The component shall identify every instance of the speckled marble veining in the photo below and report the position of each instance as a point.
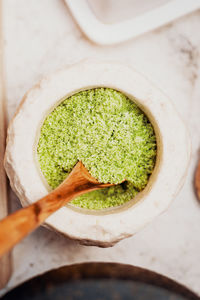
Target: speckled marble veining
(40, 37)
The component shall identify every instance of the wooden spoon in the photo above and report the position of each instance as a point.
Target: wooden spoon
(19, 224)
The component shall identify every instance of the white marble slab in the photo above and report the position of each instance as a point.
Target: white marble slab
(40, 37)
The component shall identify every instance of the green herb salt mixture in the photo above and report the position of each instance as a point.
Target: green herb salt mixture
(110, 135)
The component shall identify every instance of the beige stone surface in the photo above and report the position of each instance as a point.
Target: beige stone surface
(40, 37)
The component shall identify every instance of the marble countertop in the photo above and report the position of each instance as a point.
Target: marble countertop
(40, 37)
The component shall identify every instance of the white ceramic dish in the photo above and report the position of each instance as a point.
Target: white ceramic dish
(153, 17)
(102, 228)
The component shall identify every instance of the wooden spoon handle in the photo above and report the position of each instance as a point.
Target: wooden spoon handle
(19, 224)
(16, 226)
(22, 222)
